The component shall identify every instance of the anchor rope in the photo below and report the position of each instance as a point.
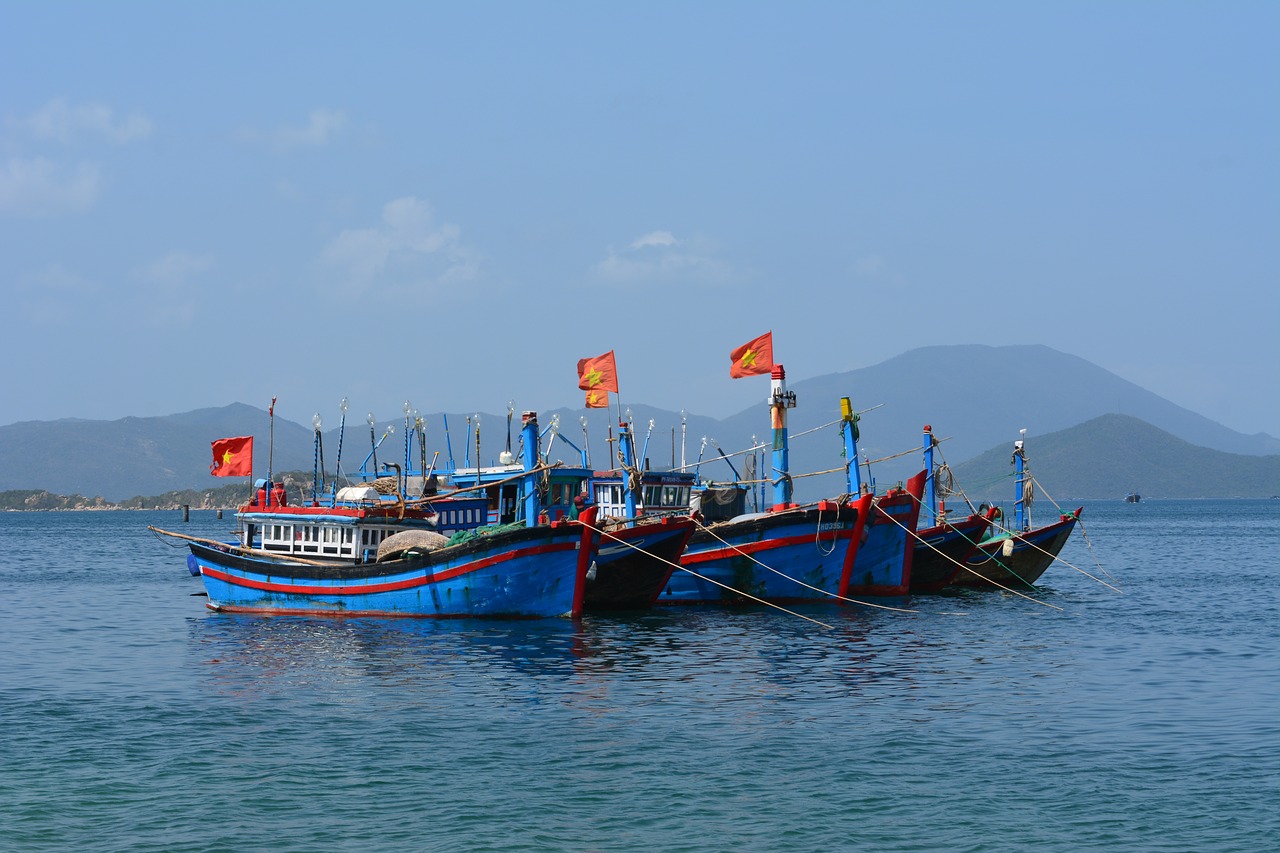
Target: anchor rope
(1088, 544)
(836, 596)
(633, 547)
(1028, 497)
(915, 536)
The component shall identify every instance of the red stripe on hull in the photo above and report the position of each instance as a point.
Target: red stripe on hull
(763, 545)
(390, 586)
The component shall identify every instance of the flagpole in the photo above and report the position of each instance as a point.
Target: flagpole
(271, 447)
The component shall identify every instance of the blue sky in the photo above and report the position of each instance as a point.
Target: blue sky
(452, 203)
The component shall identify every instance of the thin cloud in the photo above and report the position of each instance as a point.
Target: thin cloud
(869, 266)
(176, 268)
(173, 295)
(876, 268)
(39, 187)
(55, 297)
(655, 238)
(64, 122)
(322, 127)
(660, 257)
(408, 249)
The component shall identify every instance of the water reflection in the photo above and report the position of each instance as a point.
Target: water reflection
(683, 656)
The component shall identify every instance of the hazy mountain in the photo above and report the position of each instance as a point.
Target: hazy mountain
(976, 397)
(139, 456)
(1089, 460)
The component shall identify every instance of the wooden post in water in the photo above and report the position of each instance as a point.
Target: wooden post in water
(186, 512)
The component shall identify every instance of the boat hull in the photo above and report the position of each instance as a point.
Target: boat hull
(940, 552)
(529, 572)
(883, 563)
(804, 552)
(1033, 552)
(633, 564)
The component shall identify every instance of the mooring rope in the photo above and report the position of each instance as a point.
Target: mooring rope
(914, 536)
(796, 580)
(604, 532)
(1088, 544)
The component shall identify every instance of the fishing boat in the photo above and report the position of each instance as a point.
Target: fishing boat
(1132, 498)
(641, 522)
(789, 553)
(367, 555)
(941, 549)
(1016, 556)
(883, 565)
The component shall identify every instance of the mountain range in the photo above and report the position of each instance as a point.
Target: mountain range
(1090, 434)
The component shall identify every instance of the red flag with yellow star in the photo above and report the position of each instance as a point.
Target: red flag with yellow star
(597, 399)
(232, 457)
(598, 374)
(753, 358)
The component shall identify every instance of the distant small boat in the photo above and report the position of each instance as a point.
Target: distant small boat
(1132, 498)
(1019, 555)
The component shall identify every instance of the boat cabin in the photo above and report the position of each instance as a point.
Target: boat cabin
(354, 526)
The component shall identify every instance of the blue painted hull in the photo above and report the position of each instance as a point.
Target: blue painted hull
(883, 562)
(811, 546)
(530, 572)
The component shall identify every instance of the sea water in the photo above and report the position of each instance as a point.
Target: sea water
(1079, 717)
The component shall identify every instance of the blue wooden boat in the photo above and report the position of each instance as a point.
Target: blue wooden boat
(1016, 557)
(334, 560)
(790, 553)
(941, 549)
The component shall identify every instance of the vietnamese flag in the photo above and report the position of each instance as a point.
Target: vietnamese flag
(232, 457)
(597, 399)
(754, 358)
(598, 374)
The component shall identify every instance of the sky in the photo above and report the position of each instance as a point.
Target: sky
(451, 204)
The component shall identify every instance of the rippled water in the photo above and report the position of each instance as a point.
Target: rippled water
(132, 718)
